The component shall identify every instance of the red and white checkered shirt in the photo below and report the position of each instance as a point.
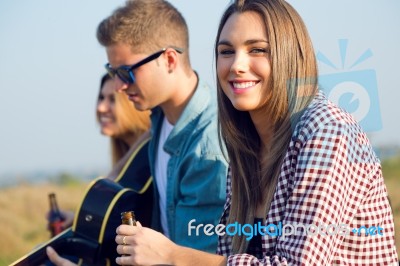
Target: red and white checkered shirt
(330, 179)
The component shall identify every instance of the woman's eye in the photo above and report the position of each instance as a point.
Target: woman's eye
(258, 51)
(226, 52)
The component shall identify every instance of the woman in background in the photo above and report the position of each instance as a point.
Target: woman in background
(119, 120)
(128, 130)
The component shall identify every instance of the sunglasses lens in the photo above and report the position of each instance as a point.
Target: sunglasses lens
(125, 75)
(110, 71)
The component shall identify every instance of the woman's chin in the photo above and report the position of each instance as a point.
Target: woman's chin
(107, 132)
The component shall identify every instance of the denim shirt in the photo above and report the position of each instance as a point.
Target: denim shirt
(196, 171)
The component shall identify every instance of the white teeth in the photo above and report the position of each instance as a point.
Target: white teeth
(243, 85)
(105, 119)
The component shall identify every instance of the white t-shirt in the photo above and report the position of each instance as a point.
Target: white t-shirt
(161, 164)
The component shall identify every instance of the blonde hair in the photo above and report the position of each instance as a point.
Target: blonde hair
(129, 121)
(146, 26)
(293, 83)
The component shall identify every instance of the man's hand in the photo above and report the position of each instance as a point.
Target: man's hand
(56, 259)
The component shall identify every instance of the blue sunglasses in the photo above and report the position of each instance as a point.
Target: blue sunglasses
(125, 73)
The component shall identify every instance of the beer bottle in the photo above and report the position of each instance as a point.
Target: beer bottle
(55, 217)
(128, 218)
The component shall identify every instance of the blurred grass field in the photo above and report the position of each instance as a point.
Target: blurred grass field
(23, 209)
(22, 215)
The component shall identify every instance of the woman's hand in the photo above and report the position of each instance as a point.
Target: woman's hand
(68, 218)
(143, 246)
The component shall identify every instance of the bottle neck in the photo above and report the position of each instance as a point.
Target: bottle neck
(128, 218)
(53, 203)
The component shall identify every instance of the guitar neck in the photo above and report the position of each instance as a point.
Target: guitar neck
(67, 243)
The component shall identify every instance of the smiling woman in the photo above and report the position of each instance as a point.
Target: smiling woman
(237, 56)
(121, 122)
(119, 119)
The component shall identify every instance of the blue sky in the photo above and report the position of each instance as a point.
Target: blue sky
(51, 64)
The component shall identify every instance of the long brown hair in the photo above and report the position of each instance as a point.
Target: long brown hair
(255, 169)
(129, 121)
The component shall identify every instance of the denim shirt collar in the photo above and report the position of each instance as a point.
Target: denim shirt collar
(187, 121)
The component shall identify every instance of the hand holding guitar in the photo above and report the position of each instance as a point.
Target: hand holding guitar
(57, 259)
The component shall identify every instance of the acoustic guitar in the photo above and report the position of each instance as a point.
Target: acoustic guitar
(91, 239)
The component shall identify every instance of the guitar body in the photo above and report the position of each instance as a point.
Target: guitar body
(91, 239)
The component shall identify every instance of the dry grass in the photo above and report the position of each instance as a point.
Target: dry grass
(22, 216)
(393, 186)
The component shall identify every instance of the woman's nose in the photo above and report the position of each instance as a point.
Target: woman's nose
(103, 106)
(240, 63)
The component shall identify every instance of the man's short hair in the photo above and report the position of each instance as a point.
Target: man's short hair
(144, 25)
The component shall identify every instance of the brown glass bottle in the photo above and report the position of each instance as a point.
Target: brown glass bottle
(55, 217)
(128, 218)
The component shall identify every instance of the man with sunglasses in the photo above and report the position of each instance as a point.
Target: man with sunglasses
(147, 46)
(146, 42)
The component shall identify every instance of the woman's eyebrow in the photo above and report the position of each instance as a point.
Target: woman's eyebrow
(253, 41)
(224, 42)
(247, 42)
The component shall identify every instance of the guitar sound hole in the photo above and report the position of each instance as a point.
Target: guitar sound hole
(88, 218)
